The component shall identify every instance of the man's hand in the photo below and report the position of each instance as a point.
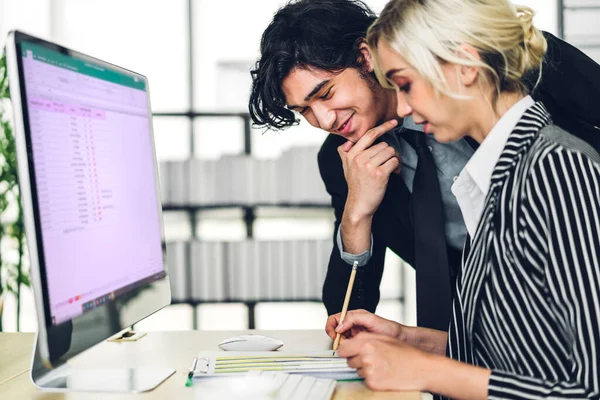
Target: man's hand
(367, 169)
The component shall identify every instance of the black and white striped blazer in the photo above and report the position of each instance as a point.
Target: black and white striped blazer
(528, 294)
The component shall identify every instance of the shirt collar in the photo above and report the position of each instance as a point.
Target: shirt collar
(481, 165)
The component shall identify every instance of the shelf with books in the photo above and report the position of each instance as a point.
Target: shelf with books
(247, 271)
(252, 185)
(577, 24)
(292, 178)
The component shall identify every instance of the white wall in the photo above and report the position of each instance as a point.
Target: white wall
(31, 16)
(546, 13)
(145, 36)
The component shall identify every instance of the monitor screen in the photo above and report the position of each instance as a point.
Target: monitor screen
(93, 161)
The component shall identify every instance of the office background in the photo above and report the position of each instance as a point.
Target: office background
(222, 209)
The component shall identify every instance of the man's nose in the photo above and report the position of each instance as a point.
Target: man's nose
(325, 116)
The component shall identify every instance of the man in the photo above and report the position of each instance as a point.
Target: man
(314, 61)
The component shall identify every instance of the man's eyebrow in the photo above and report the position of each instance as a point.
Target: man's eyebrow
(391, 72)
(315, 90)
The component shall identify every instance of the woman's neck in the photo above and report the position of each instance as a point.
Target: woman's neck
(485, 117)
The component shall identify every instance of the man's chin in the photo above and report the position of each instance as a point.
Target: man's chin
(352, 137)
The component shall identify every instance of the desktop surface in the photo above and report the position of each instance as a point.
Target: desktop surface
(16, 354)
(160, 349)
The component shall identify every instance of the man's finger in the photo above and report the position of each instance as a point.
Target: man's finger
(391, 165)
(374, 150)
(381, 157)
(372, 134)
(344, 148)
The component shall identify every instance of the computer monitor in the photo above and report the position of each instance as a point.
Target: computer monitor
(89, 190)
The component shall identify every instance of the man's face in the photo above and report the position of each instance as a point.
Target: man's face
(345, 103)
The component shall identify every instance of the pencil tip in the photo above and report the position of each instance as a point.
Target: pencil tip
(334, 352)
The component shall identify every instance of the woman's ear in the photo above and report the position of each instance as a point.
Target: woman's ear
(365, 56)
(469, 74)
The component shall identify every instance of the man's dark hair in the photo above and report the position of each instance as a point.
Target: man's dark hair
(322, 34)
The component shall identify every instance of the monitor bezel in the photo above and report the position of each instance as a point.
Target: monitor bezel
(29, 199)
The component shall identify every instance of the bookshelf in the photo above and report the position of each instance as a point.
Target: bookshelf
(577, 24)
(247, 271)
(186, 174)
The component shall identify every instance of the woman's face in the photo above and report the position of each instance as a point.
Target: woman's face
(441, 115)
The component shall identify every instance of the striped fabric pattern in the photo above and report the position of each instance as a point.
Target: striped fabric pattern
(528, 294)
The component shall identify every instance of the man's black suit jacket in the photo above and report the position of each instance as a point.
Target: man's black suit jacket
(570, 90)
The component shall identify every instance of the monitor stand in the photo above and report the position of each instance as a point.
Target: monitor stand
(68, 378)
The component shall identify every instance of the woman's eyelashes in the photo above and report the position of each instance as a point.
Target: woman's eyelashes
(400, 84)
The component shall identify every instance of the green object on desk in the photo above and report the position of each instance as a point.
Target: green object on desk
(191, 372)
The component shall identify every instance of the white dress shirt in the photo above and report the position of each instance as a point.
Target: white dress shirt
(472, 185)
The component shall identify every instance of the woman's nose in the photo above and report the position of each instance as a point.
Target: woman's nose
(403, 109)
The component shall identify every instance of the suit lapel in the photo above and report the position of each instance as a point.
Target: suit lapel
(487, 239)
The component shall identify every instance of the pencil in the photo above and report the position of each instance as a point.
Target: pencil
(336, 343)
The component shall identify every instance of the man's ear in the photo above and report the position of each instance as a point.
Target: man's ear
(469, 74)
(365, 56)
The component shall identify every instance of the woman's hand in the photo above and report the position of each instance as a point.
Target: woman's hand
(386, 363)
(363, 321)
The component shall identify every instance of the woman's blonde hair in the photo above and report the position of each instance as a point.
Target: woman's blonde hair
(429, 33)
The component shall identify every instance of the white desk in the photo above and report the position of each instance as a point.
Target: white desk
(164, 349)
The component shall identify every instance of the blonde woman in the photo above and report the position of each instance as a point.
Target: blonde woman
(525, 320)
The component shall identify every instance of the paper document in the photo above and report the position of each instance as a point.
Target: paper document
(219, 363)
